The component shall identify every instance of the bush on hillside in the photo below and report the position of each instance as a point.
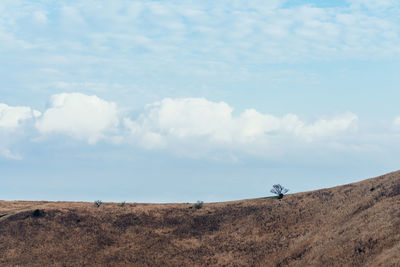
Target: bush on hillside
(279, 190)
(198, 205)
(97, 203)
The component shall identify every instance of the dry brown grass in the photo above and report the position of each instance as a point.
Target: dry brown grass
(351, 225)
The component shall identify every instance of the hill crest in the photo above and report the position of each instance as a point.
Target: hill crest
(354, 224)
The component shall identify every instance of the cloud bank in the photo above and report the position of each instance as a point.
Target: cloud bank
(186, 126)
(197, 122)
(189, 127)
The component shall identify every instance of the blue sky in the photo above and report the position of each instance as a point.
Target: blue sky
(165, 101)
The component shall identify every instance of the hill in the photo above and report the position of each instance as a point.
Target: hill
(355, 224)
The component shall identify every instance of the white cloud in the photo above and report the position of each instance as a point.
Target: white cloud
(196, 124)
(190, 127)
(187, 126)
(327, 127)
(80, 116)
(187, 117)
(13, 127)
(12, 117)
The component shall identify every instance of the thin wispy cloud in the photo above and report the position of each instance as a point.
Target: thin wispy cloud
(145, 46)
(256, 31)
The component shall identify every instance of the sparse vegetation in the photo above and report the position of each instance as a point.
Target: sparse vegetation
(37, 213)
(279, 190)
(98, 203)
(122, 204)
(198, 205)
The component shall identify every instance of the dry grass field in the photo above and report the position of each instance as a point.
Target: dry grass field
(351, 225)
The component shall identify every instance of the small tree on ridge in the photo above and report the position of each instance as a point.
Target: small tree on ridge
(279, 190)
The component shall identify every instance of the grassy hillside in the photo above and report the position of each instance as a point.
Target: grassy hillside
(355, 224)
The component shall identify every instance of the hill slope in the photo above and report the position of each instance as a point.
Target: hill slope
(355, 224)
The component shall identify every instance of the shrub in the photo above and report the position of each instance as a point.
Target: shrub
(279, 190)
(97, 203)
(122, 204)
(38, 213)
(198, 205)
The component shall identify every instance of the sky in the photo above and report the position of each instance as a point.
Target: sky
(179, 101)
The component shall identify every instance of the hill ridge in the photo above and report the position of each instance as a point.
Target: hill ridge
(348, 225)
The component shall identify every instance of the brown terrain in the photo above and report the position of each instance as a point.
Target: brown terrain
(351, 225)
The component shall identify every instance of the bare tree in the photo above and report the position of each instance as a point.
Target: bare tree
(279, 190)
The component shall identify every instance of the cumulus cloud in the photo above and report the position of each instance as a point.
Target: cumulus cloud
(187, 126)
(12, 117)
(12, 127)
(181, 119)
(197, 123)
(80, 116)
